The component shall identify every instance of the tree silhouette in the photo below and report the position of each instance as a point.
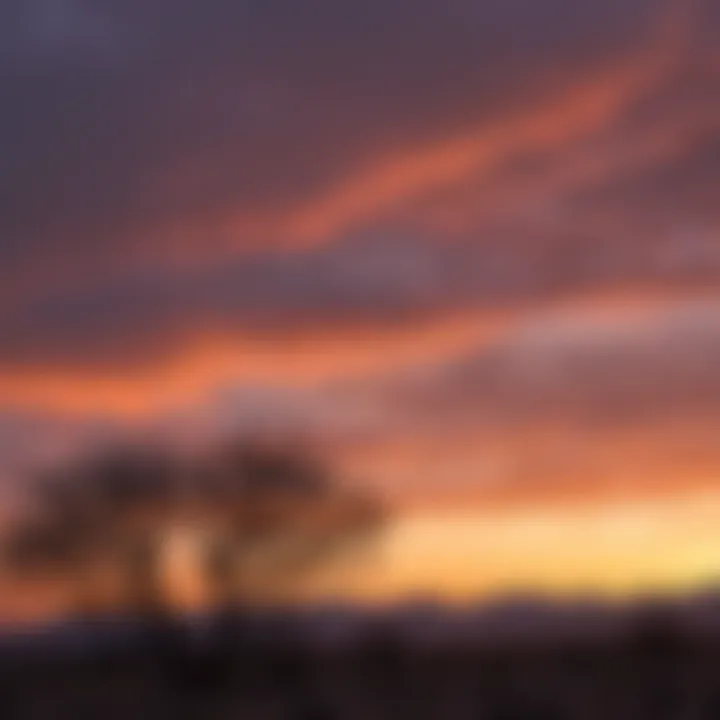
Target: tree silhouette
(102, 516)
(263, 516)
(278, 514)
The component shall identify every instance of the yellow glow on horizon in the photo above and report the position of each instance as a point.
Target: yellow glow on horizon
(611, 550)
(607, 549)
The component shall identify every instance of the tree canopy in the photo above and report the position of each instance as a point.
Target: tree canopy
(262, 516)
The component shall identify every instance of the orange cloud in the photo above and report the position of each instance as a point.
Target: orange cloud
(200, 364)
(592, 107)
(563, 174)
(588, 106)
(537, 465)
(207, 363)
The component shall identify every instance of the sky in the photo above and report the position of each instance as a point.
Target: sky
(467, 249)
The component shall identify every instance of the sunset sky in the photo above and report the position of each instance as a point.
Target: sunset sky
(469, 249)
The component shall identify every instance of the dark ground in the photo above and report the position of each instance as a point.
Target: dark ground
(647, 668)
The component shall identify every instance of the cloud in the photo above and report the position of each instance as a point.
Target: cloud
(579, 398)
(571, 403)
(236, 125)
(396, 224)
(596, 366)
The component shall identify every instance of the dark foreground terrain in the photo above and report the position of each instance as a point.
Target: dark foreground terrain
(655, 664)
